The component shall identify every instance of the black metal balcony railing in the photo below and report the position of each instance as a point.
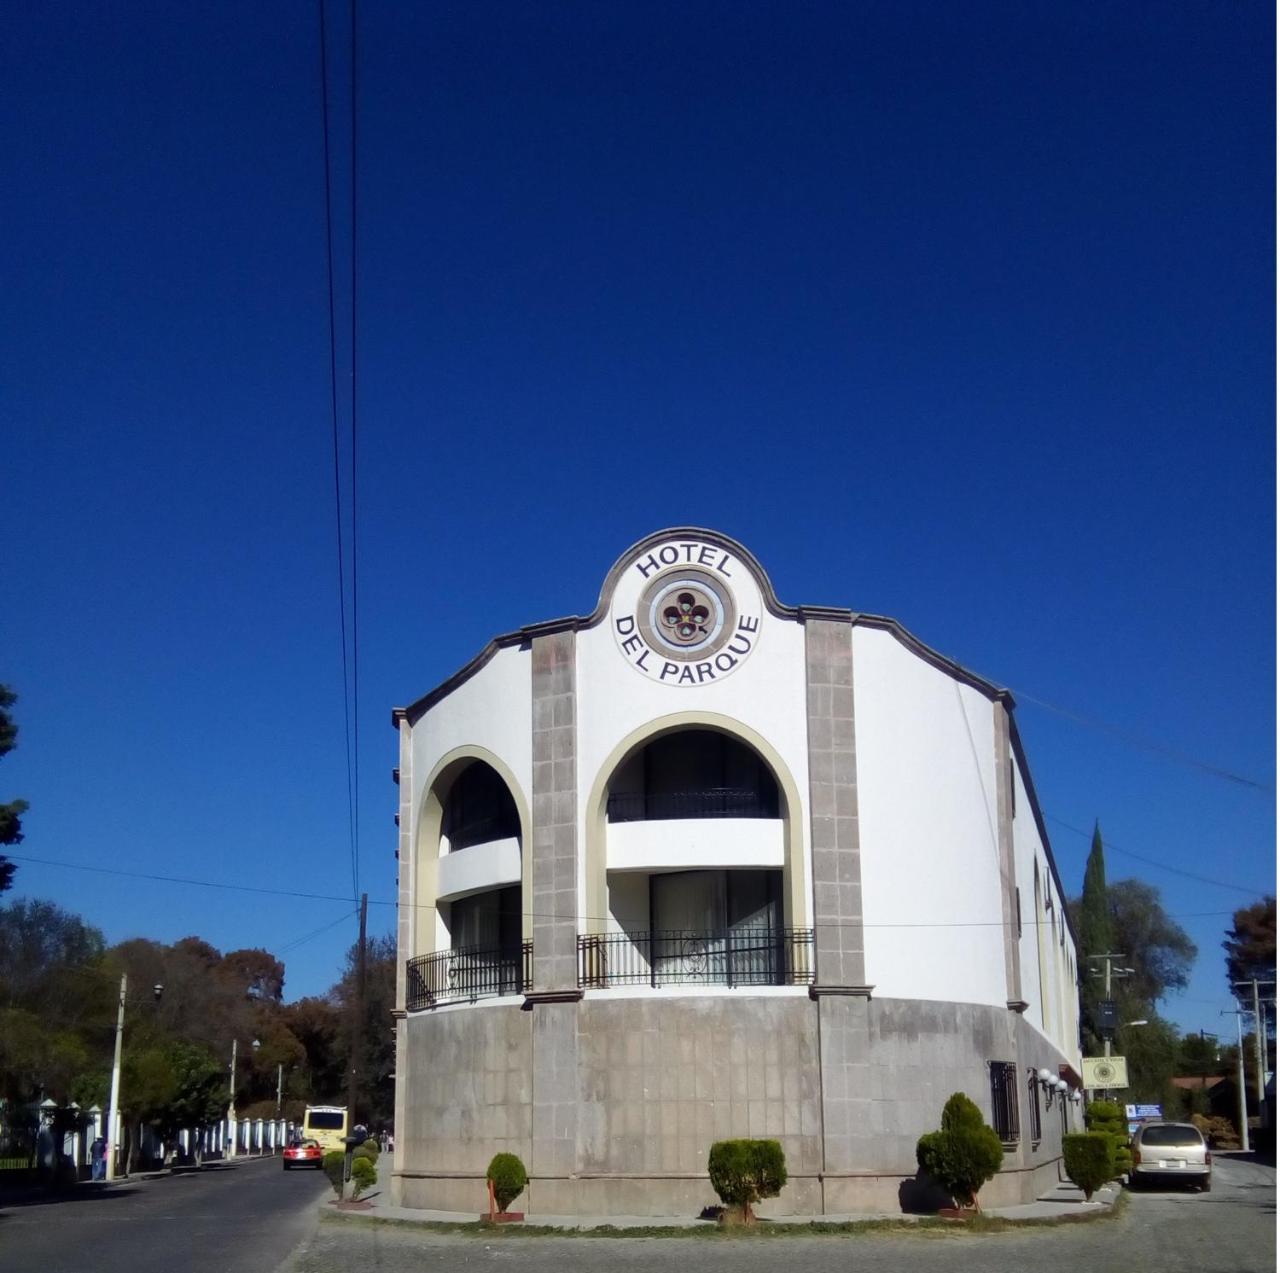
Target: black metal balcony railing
(471, 972)
(709, 802)
(747, 957)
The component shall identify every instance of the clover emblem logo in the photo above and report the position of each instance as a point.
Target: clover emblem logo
(684, 619)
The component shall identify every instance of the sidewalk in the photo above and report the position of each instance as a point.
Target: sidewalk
(1063, 1201)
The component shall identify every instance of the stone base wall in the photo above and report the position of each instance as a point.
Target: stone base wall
(629, 1094)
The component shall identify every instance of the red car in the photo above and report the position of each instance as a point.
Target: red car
(303, 1153)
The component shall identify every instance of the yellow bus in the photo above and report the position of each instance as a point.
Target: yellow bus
(325, 1124)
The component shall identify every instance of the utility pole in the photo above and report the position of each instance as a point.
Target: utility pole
(1107, 961)
(279, 1088)
(1244, 1106)
(231, 1105)
(112, 1116)
(1259, 1034)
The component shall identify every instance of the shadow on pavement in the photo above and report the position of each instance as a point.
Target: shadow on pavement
(57, 1197)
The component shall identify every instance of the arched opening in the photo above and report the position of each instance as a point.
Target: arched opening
(690, 864)
(470, 918)
(692, 774)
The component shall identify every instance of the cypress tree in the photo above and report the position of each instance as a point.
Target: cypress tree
(1095, 937)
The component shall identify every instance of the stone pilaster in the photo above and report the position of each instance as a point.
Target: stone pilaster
(555, 815)
(833, 805)
(1008, 872)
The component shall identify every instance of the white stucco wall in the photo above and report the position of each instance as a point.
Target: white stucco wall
(479, 867)
(687, 844)
(1027, 850)
(766, 693)
(927, 826)
(493, 710)
(1048, 956)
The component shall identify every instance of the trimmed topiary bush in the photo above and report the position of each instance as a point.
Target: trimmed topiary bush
(743, 1172)
(964, 1154)
(1088, 1158)
(508, 1177)
(1109, 1118)
(364, 1175)
(369, 1149)
(334, 1165)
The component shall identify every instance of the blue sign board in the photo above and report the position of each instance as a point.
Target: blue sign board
(1144, 1111)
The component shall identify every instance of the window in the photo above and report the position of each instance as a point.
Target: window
(1033, 1104)
(1004, 1101)
(479, 809)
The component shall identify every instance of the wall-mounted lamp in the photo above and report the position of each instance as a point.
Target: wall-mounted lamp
(1062, 1085)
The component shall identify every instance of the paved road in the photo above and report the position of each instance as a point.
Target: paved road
(242, 1218)
(1231, 1230)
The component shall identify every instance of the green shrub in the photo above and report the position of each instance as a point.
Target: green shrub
(333, 1164)
(364, 1175)
(1109, 1118)
(743, 1172)
(509, 1178)
(964, 1154)
(1088, 1158)
(369, 1149)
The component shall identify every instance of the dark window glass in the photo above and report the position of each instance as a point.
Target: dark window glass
(1004, 1100)
(325, 1120)
(694, 773)
(479, 808)
(1171, 1136)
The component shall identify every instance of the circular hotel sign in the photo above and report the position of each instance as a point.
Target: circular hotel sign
(686, 612)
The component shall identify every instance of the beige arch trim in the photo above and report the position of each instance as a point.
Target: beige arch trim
(426, 852)
(793, 841)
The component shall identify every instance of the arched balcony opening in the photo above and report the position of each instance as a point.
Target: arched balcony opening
(692, 774)
(471, 864)
(695, 857)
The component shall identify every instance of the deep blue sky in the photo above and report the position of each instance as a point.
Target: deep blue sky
(958, 313)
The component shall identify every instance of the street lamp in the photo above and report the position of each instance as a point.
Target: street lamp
(231, 1107)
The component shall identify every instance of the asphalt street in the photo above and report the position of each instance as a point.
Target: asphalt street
(244, 1217)
(1229, 1230)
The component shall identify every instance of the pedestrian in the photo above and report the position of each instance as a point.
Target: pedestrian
(98, 1158)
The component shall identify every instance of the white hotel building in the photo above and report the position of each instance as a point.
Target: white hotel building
(702, 865)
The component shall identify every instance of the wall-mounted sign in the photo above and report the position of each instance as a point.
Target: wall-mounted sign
(686, 613)
(1105, 1071)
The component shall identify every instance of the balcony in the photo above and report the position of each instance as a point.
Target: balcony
(467, 974)
(743, 957)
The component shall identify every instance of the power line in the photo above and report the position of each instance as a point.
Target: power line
(428, 906)
(311, 936)
(1160, 866)
(337, 463)
(1148, 744)
(355, 521)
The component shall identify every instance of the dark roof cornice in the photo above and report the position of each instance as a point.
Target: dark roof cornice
(797, 614)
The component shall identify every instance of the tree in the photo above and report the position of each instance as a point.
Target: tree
(964, 1154)
(11, 813)
(1155, 946)
(375, 1037)
(55, 1001)
(1251, 945)
(315, 1023)
(1092, 919)
(257, 974)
